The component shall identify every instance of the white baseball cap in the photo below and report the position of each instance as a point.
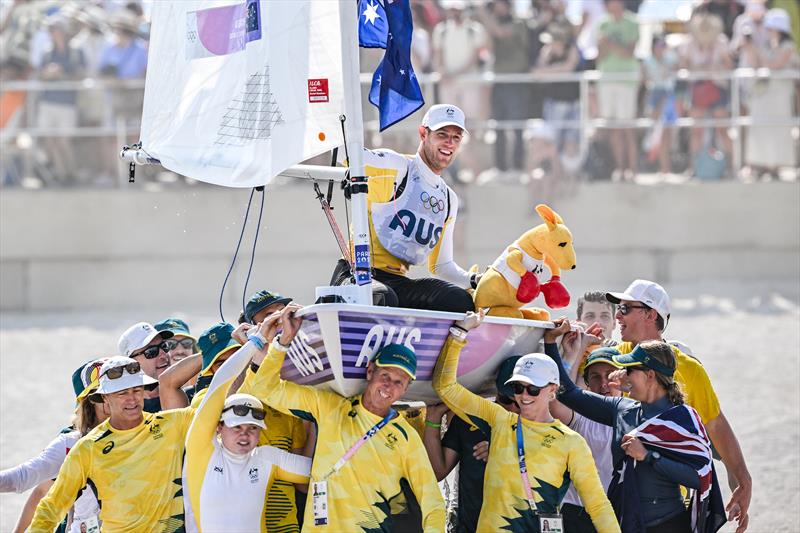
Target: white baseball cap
(231, 419)
(138, 336)
(536, 369)
(127, 380)
(649, 293)
(778, 19)
(440, 115)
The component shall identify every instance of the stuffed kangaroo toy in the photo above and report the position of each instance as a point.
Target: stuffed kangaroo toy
(512, 279)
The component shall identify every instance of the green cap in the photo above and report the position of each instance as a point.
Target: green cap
(175, 325)
(504, 373)
(262, 300)
(602, 355)
(214, 341)
(640, 357)
(397, 356)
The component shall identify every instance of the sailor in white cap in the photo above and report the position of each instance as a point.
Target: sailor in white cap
(412, 215)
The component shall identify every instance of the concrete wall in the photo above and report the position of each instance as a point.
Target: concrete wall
(131, 248)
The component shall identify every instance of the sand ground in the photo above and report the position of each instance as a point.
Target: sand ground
(747, 336)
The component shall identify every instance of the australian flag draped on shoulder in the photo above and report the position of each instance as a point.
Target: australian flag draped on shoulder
(395, 89)
(677, 434)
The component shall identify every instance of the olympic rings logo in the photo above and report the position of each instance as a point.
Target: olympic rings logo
(431, 202)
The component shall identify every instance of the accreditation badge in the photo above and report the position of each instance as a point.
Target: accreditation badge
(92, 525)
(551, 523)
(319, 497)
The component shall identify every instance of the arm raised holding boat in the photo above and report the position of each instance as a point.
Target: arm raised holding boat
(366, 455)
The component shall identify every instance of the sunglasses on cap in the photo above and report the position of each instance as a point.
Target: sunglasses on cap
(518, 388)
(242, 410)
(171, 344)
(151, 352)
(624, 309)
(505, 400)
(118, 371)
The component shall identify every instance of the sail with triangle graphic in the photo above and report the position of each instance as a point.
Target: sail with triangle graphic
(237, 92)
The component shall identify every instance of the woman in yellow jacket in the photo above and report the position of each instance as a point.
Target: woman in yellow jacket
(532, 456)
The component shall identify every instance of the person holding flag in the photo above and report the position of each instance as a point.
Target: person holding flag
(659, 443)
(412, 211)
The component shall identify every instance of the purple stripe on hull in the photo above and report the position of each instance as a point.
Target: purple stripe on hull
(362, 336)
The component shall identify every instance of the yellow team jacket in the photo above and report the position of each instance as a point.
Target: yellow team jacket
(389, 478)
(135, 474)
(555, 455)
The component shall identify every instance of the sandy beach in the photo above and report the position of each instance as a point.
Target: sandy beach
(746, 336)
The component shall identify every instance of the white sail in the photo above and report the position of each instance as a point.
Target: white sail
(238, 91)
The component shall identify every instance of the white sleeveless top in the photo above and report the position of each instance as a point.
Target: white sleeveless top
(410, 226)
(531, 265)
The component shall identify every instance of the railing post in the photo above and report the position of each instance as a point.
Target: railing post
(583, 106)
(736, 111)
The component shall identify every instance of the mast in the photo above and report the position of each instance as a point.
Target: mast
(354, 133)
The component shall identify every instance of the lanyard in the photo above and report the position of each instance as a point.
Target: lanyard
(523, 469)
(363, 440)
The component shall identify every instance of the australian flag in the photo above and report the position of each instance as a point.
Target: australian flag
(395, 89)
(373, 29)
(677, 434)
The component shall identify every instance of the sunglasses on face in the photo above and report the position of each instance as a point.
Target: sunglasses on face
(505, 400)
(631, 369)
(171, 344)
(151, 352)
(242, 410)
(518, 388)
(624, 309)
(118, 371)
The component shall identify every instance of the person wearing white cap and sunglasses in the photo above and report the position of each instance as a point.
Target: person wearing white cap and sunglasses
(412, 214)
(643, 313)
(144, 343)
(132, 461)
(227, 475)
(533, 457)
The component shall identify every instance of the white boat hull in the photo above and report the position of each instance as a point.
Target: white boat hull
(336, 342)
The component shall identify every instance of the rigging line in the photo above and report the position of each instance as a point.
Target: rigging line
(255, 242)
(235, 253)
(342, 119)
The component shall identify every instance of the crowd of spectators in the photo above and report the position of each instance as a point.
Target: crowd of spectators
(639, 61)
(60, 43)
(528, 127)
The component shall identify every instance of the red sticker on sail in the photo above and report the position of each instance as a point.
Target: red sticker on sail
(318, 90)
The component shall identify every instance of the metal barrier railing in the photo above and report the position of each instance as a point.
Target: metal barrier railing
(122, 129)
